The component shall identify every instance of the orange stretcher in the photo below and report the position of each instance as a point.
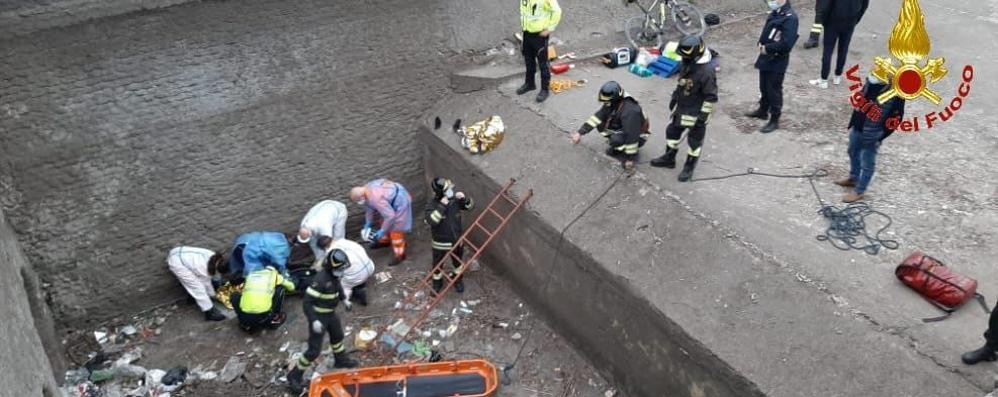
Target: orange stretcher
(465, 378)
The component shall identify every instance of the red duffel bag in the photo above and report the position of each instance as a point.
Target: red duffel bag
(938, 284)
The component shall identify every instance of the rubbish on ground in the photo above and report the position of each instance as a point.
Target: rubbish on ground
(101, 337)
(154, 378)
(363, 338)
(570, 55)
(285, 346)
(466, 310)
(502, 325)
(463, 304)
(560, 85)
(610, 393)
(383, 276)
(474, 302)
(435, 356)
(421, 349)
(77, 376)
(101, 375)
(516, 336)
(129, 330)
(442, 333)
(82, 390)
(399, 327)
(129, 357)
(233, 369)
(482, 136)
(404, 348)
(452, 329)
(435, 343)
(175, 376)
(128, 371)
(560, 68)
(427, 334)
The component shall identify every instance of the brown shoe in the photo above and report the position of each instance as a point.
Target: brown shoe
(846, 182)
(852, 197)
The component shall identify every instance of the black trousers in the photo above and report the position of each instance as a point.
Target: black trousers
(991, 335)
(535, 55)
(695, 139)
(771, 87)
(251, 322)
(330, 324)
(835, 34)
(439, 255)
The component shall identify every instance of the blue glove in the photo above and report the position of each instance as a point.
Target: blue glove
(378, 235)
(367, 225)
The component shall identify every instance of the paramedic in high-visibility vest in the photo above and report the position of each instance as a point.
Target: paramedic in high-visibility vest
(259, 304)
(538, 18)
(390, 202)
(327, 218)
(199, 270)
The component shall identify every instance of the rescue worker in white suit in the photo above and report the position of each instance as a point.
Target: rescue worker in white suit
(327, 218)
(199, 270)
(354, 277)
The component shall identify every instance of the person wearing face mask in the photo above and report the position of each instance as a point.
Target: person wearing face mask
(443, 214)
(692, 103)
(775, 43)
(319, 304)
(865, 136)
(621, 121)
(392, 202)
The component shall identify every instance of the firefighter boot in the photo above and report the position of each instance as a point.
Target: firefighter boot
(360, 296)
(213, 315)
(438, 284)
(668, 160)
(687, 173)
(759, 113)
(772, 125)
(985, 353)
(295, 381)
(344, 361)
(812, 41)
(458, 284)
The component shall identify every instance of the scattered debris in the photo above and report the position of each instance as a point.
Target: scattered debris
(383, 277)
(233, 369)
(129, 330)
(175, 376)
(516, 336)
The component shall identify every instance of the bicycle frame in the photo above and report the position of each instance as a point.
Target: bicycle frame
(662, 5)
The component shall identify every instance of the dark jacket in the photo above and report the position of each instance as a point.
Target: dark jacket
(322, 294)
(845, 13)
(445, 219)
(778, 36)
(626, 117)
(819, 10)
(893, 108)
(696, 91)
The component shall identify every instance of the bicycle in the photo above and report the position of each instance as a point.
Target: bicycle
(650, 28)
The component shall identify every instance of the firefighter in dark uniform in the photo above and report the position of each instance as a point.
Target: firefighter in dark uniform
(692, 104)
(443, 214)
(621, 121)
(321, 298)
(775, 43)
(818, 27)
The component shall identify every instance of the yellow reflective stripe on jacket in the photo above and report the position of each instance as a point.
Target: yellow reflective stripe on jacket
(630, 148)
(694, 153)
(258, 291)
(436, 216)
(322, 310)
(817, 28)
(539, 15)
(687, 121)
(318, 295)
(708, 107)
(442, 246)
(593, 121)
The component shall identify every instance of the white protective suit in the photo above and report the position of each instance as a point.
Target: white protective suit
(361, 266)
(327, 218)
(190, 265)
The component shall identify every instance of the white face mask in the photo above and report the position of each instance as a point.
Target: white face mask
(449, 193)
(773, 5)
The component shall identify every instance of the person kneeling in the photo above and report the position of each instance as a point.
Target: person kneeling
(259, 304)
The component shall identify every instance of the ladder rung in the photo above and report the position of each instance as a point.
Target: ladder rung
(483, 229)
(501, 218)
(468, 243)
(508, 199)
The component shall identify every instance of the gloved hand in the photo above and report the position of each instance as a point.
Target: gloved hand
(367, 224)
(378, 235)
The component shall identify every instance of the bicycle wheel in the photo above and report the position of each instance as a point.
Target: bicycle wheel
(643, 31)
(688, 19)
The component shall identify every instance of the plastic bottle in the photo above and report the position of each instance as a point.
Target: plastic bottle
(640, 70)
(561, 68)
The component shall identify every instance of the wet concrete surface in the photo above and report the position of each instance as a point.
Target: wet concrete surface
(500, 328)
(790, 313)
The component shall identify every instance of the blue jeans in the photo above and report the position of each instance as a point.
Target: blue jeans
(863, 147)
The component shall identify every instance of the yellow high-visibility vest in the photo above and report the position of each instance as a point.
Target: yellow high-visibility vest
(539, 15)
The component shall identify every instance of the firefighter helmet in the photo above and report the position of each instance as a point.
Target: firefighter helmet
(691, 48)
(610, 92)
(441, 185)
(336, 260)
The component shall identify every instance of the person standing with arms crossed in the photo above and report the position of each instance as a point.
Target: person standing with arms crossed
(538, 18)
(775, 43)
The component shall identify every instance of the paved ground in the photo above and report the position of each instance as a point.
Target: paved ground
(547, 366)
(936, 185)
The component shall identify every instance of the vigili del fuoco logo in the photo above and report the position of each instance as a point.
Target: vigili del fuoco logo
(909, 44)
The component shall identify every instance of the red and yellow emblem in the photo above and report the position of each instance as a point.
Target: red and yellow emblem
(909, 43)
